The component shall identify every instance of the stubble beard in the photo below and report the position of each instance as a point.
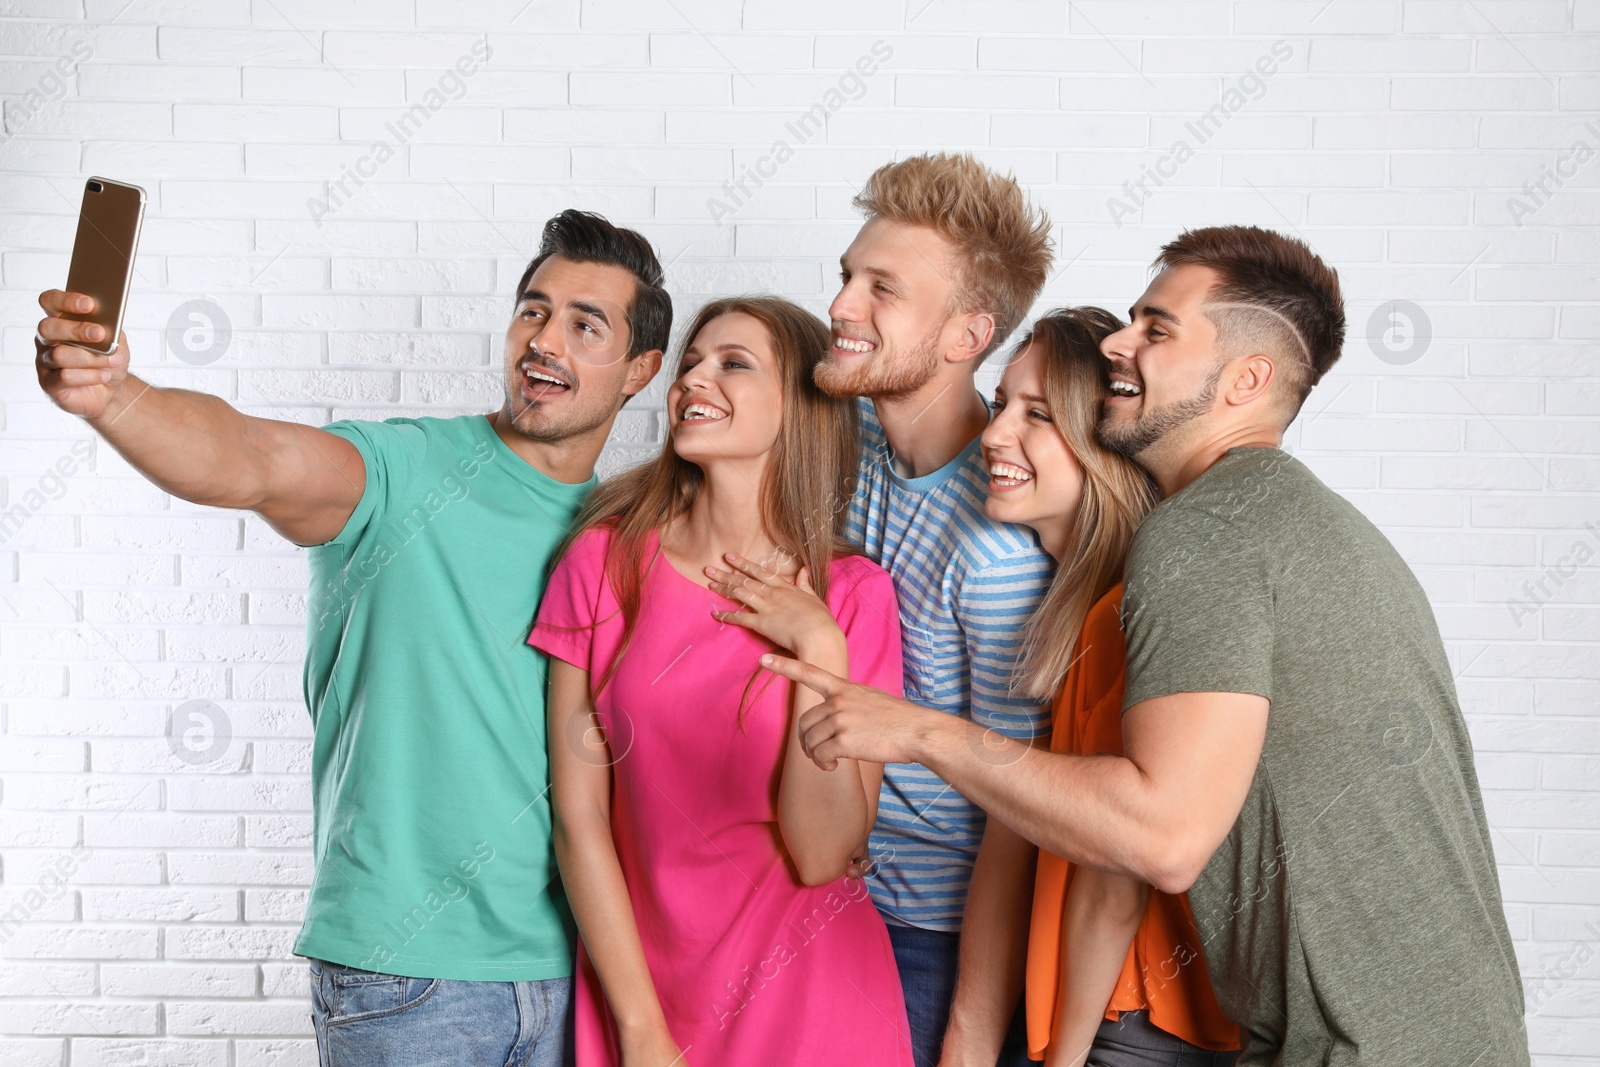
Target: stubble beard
(1136, 439)
(891, 378)
(528, 419)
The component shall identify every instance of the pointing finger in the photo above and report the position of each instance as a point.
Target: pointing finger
(825, 684)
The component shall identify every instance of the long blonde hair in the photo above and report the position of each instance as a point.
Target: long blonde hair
(804, 492)
(1117, 493)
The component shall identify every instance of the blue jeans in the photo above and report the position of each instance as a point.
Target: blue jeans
(366, 1019)
(927, 960)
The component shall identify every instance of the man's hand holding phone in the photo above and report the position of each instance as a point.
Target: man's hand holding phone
(303, 481)
(80, 382)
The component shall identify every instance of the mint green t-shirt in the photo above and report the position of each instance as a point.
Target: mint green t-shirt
(429, 771)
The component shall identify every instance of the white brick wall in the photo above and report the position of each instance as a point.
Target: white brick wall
(163, 895)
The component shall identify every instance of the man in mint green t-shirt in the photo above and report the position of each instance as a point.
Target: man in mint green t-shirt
(436, 925)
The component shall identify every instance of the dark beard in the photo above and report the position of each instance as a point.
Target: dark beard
(523, 417)
(1131, 442)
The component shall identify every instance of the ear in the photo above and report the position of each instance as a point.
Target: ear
(641, 369)
(977, 330)
(1250, 379)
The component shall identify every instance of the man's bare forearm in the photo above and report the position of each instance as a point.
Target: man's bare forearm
(1088, 809)
(302, 480)
(1157, 813)
(193, 445)
(305, 482)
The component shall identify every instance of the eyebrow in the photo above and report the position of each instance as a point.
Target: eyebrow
(1156, 313)
(726, 346)
(999, 390)
(589, 309)
(579, 305)
(876, 271)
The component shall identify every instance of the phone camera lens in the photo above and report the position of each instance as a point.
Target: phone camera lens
(95, 187)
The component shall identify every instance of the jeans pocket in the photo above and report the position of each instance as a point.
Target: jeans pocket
(350, 995)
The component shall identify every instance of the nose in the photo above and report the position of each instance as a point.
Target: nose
(547, 340)
(1119, 345)
(1001, 430)
(846, 307)
(697, 376)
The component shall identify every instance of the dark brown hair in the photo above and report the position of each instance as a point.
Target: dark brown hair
(1272, 292)
(804, 491)
(585, 237)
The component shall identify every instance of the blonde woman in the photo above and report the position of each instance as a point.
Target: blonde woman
(1114, 975)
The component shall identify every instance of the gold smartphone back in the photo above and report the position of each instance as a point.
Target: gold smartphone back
(102, 255)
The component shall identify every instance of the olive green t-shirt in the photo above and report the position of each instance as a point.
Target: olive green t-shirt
(429, 771)
(1353, 914)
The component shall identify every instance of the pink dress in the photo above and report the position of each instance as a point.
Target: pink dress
(751, 966)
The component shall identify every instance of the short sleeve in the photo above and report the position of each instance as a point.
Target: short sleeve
(869, 615)
(1197, 609)
(992, 606)
(565, 627)
(392, 453)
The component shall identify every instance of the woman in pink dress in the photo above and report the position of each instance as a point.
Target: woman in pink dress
(703, 854)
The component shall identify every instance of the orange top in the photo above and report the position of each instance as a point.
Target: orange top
(1164, 972)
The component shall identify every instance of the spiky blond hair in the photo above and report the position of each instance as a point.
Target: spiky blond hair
(1002, 242)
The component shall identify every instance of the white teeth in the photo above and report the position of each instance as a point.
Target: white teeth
(852, 346)
(540, 376)
(1121, 388)
(1009, 472)
(702, 411)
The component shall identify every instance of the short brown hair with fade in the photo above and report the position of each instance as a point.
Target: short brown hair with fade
(1002, 242)
(1274, 295)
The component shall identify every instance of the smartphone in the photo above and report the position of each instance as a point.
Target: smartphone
(102, 255)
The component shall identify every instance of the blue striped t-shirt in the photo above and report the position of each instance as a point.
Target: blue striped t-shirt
(966, 585)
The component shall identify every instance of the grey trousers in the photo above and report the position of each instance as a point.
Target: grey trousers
(1134, 1041)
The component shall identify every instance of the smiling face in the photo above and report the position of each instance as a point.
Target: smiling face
(892, 313)
(1034, 478)
(1164, 367)
(726, 404)
(566, 350)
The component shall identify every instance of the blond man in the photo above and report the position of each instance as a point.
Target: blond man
(947, 264)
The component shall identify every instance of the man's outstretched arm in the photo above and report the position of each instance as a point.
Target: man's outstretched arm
(303, 481)
(1157, 813)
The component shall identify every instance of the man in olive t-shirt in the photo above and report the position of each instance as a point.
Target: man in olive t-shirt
(1353, 913)
(1295, 755)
